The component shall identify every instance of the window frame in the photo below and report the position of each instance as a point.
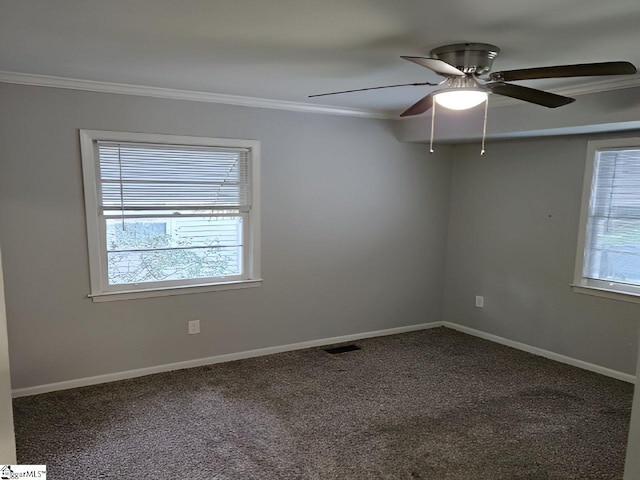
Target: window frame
(600, 288)
(101, 291)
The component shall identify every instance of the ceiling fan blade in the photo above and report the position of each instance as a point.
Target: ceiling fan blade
(560, 71)
(375, 88)
(438, 66)
(531, 95)
(420, 106)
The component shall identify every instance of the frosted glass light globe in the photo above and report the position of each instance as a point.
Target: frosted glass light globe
(460, 99)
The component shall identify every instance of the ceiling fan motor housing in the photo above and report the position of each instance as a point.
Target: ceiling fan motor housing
(473, 58)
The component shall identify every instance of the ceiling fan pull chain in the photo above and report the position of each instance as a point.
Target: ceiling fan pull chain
(484, 128)
(433, 121)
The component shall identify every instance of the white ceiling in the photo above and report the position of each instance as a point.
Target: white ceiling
(288, 49)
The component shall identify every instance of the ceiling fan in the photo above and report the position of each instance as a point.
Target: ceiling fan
(463, 64)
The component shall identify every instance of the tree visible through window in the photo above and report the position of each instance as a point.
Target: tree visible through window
(142, 251)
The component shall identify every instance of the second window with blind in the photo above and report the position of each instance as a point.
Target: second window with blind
(170, 214)
(608, 258)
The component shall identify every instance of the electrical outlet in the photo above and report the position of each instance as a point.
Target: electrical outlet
(194, 327)
(479, 301)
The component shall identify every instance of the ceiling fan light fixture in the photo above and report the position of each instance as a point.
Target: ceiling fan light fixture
(460, 99)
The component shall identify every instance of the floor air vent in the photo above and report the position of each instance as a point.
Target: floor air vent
(343, 349)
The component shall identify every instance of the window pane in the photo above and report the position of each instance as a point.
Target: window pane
(157, 249)
(612, 249)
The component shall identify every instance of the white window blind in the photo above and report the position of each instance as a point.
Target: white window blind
(612, 243)
(148, 177)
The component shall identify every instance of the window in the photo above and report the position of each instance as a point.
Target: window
(169, 214)
(608, 259)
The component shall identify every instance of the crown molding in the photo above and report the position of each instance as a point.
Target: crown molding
(586, 88)
(596, 86)
(176, 94)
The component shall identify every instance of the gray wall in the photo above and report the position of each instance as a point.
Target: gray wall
(353, 235)
(512, 238)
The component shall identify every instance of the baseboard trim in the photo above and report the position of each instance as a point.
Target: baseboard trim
(113, 377)
(140, 372)
(543, 353)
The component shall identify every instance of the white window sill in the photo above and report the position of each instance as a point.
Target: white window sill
(606, 293)
(164, 292)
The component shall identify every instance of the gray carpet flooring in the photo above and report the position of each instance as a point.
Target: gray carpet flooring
(434, 404)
